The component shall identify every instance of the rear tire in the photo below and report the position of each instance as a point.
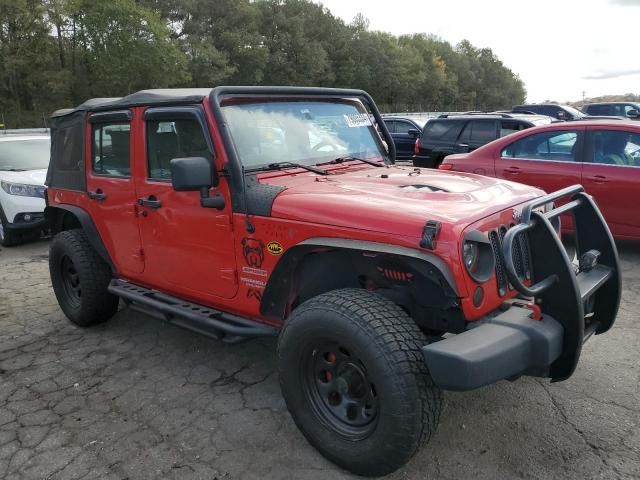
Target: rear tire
(355, 381)
(80, 278)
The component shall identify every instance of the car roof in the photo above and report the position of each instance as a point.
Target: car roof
(611, 103)
(539, 105)
(599, 123)
(527, 117)
(417, 120)
(13, 138)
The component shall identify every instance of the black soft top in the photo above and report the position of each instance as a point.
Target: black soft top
(160, 96)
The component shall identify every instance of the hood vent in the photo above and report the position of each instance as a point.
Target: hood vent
(421, 187)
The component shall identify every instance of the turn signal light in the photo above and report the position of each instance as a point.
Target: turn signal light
(445, 166)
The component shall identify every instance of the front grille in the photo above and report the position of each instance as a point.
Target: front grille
(501, 274)
(521, 258)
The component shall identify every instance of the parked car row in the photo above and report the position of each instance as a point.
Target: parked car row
(462, 133)
(602, 155)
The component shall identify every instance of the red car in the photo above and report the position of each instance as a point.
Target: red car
(602, 155)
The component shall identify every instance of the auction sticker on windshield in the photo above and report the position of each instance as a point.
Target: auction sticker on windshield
(357, 120)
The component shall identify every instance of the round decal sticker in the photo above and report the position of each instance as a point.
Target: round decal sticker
(274, 248)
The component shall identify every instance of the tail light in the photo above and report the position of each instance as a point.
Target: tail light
(416, 146)
(445, 166)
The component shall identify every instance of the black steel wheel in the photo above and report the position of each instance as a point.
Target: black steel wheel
(355, 382)
(70, 281)
(340, 390)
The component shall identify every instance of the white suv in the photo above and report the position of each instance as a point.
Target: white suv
(23, 167)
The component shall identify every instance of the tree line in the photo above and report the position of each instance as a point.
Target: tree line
(58, 53)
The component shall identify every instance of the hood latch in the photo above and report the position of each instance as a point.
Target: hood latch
(429, 234)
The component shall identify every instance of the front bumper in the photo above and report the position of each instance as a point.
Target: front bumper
(39, 223)
(577, 301)
(505, 346)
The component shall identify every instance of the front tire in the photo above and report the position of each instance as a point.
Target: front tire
(7, 237)
(354, 379)
(80, 278)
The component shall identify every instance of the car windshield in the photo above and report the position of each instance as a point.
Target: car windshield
(27, 154)
(573, 111)
(302, 132)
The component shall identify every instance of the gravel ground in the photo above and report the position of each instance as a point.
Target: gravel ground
(136, 398)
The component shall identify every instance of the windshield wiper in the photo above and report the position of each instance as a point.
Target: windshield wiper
(347, 158)
(280, 165)
(13, 169)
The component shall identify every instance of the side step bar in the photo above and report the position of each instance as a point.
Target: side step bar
(192, 316)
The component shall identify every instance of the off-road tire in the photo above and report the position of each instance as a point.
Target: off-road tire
(91, 303)
(387, 342)
(7, 238)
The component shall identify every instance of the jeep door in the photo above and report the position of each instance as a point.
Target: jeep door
(189, 250)
(111, 188)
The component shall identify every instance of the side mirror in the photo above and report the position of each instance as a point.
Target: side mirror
(196, 173)
(562, 115)
(414, 132)
(633, 113)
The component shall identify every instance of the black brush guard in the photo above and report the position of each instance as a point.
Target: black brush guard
(583, 302)
(575, 303)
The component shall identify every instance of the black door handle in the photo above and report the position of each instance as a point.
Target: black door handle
(151, 201)
(98, 195)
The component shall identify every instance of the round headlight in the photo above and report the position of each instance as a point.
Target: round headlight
(470, 255)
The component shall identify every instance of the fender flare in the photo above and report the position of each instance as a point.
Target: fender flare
(274, 297)
(87, 225)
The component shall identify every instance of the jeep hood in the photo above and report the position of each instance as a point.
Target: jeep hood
(394, 199)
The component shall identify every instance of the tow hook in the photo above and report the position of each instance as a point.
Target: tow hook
(588, 260)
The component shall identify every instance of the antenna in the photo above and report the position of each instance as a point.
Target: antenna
(247, 219)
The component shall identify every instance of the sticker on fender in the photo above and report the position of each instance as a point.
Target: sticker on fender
(274, 248)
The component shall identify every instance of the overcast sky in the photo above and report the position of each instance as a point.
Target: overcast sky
(560, 48)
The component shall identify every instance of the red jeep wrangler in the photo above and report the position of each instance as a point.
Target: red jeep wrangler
(245, 211)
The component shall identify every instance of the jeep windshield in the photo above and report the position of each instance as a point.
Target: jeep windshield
(302, 132)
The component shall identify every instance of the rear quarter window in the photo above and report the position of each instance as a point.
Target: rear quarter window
(442, 131)
(601, 110)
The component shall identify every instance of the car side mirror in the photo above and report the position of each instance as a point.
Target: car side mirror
(414, 132)
(191, 174)
(633, 113)
(562, 115)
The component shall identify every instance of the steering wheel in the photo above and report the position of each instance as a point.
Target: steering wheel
(318, 146)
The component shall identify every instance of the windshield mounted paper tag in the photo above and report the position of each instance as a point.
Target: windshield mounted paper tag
(358, 120)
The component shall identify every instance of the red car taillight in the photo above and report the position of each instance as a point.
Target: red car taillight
(445, 166)
(416, 146)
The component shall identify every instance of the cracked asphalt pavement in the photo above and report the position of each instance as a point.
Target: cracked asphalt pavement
(136, 398)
